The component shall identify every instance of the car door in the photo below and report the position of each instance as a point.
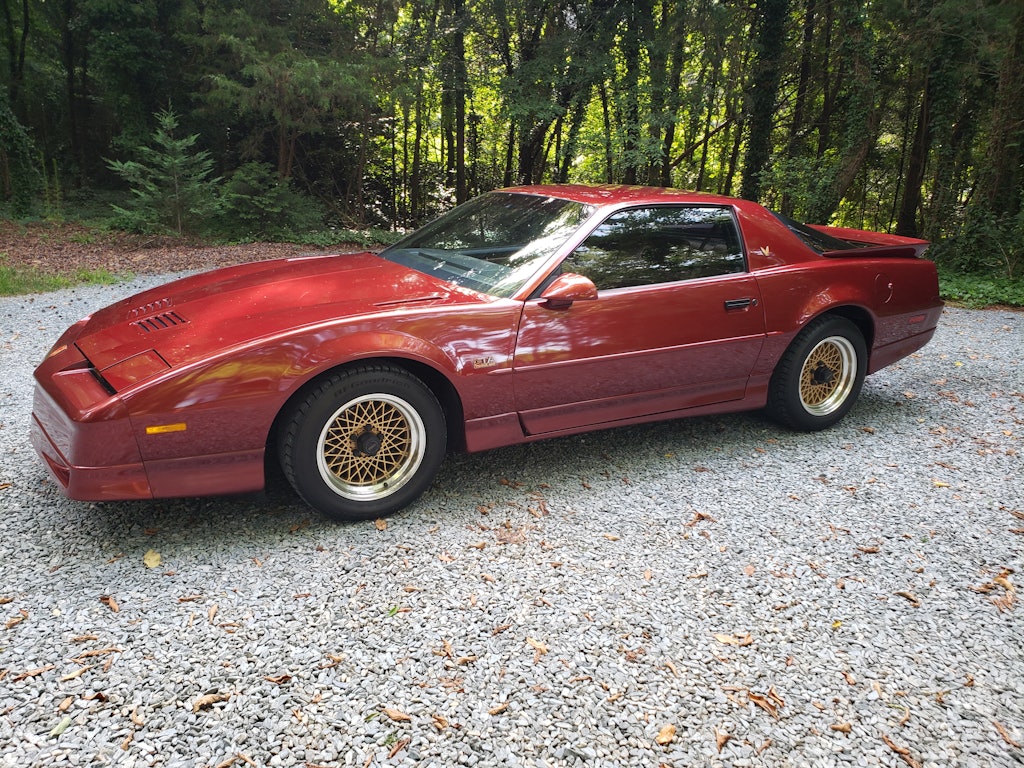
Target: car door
(677, 323)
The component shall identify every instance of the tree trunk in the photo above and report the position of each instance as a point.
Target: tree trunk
(764, 91)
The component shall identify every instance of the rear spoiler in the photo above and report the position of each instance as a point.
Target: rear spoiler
(879, 252)
(873, 244)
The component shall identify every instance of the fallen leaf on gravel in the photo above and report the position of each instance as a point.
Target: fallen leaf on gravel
(765, 703)
(31, 673)
(909, 596)
(110, 602)
(721, 739)
(211, 612)
(397, 715)
(6, 600)
(498, 709)
(151, 559)
(537, 645)
(611, 537)
(5, 486)
(665, 735)
(17, 619)
(97, 652)
(841, 727)
(398, 747)
(207, 701)
(380, 524)
(850, 679)
(444, 557)
(903, 752)
(65, 705)
(698, 517)
(278, 680)
(939, 484)
(61, 726)
(136, 720)
(1005, 734)
(77, 673)
(738, 640)
(440, 722)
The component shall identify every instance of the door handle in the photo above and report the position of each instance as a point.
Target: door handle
(731, 304)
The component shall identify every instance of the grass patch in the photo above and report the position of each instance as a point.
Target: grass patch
(16, 282)
(977, 291)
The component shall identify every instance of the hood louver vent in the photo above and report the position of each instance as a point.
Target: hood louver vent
(160, 322)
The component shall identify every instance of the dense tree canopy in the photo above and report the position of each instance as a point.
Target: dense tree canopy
(900, 115)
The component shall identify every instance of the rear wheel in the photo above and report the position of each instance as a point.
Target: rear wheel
(820, 375)
(364, 443)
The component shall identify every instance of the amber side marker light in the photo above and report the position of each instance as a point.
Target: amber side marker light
(163, 429)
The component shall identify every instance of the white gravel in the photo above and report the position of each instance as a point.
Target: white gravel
(836, 599)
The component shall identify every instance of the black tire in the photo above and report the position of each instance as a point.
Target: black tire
(819, 376)
(363, 443)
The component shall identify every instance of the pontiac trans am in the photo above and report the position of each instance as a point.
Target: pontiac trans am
(524, 314)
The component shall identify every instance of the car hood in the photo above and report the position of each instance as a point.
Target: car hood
(196, 317)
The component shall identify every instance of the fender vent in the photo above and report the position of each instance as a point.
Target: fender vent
(160, 322)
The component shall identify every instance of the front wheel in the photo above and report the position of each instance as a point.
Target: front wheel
(820, 375)
(364, 443)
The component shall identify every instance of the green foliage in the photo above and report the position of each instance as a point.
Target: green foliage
(986, 244)
(19, 177)
(172, 192)
(255, 203)
(16, 282)
(980, 290)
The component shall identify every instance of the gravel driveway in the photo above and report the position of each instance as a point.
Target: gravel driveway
(704, 592)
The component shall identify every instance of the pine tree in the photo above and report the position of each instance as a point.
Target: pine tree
(172, 191)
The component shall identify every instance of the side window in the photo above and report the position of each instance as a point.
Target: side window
(664, 244)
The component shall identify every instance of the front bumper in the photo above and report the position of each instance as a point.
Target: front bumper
(83, 433)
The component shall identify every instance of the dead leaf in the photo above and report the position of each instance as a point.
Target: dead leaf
(207, 701)
(440, 722)
(537, 645)
(850, 679)
(77, 673)
(738, 640)
(211, 612)
(151, 559)
(380, 524)
(611, 537)
(31, 673)
(909, 596)
(903, 752)
(841, 727)
(444, 557)
(65, 705)
(397, 715)
(721, 739)
(110, 602)
(1005, 734)
(134, 717)
(764, 703)
(749, 570)
(279, 679)
(17, 619)
(498, 709)
(399, 746)
(665, 735)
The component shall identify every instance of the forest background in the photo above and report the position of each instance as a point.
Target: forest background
(294, 119)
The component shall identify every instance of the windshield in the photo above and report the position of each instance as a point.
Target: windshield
(817, 241)
(493, 244)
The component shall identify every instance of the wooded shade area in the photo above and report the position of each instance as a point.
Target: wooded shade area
(898, 115)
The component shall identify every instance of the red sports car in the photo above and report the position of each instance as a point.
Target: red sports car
(524, 314)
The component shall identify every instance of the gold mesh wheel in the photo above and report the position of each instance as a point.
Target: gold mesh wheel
(828, 375)
(371, 446)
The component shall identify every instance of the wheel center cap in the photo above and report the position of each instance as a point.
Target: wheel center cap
(368, 444)
(823, 374)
